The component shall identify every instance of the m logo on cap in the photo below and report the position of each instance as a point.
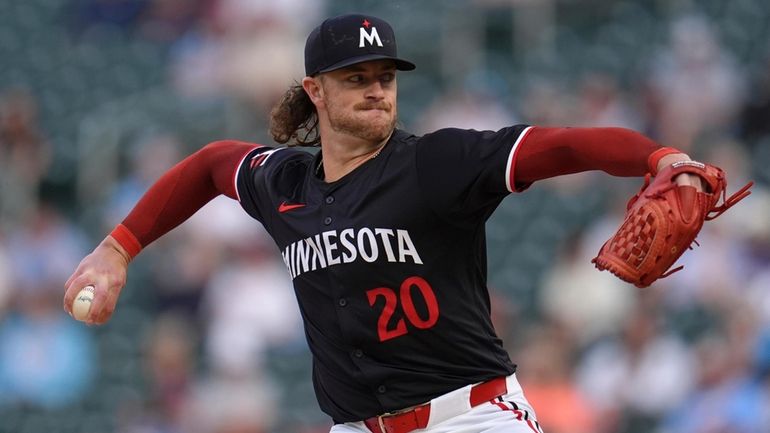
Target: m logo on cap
(332, 45)
(369, 37)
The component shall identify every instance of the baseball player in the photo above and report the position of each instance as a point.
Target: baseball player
(382, 233)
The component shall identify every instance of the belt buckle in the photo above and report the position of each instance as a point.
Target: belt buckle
(381, 423)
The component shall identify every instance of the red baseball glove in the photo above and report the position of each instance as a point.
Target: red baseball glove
(662, 220)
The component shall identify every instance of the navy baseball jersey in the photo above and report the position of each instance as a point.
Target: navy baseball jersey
(389, 263)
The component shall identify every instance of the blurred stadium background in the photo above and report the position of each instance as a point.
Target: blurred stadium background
(98, 97)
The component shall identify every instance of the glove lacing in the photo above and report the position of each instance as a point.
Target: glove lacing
(729, 202)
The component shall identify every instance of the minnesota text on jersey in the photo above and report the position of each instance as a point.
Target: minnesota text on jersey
(323, 249)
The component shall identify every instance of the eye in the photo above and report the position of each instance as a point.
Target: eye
(388, 77)
(356, 78)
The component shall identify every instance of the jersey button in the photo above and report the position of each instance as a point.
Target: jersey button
(358, 353)
(328, 220)
(329, 200)
(342, 302)
(381, 389)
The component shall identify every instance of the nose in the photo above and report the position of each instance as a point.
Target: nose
(375, 91)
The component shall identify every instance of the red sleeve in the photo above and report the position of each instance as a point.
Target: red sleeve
(550, 152)
(181, 191)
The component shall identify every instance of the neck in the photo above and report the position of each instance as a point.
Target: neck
(344, 153)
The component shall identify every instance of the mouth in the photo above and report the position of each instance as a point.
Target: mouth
(375, 108)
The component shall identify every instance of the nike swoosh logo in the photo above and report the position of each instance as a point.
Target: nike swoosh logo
(287, 207)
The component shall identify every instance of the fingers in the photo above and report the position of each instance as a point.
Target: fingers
(105, 297)
(98, 306)
(108, 299)
(105, 269)
(105, 314)
(686, 179)
(697, 182)
(74, 285)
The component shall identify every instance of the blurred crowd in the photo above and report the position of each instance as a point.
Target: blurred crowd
(207, 337)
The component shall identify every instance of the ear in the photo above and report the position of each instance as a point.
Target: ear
(314, 89)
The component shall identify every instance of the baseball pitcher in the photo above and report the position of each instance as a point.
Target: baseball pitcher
(382, 233)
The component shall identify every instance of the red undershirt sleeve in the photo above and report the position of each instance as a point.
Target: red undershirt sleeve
(181, 191)
(549, 152)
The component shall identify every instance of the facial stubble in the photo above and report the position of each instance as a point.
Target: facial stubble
(347, 122)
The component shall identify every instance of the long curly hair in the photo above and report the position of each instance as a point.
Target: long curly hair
(294, 120)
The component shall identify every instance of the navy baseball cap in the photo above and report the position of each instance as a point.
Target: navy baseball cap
(349, 39)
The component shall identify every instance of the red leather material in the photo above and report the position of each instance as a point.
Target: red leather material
(418, 417)
(662, 222)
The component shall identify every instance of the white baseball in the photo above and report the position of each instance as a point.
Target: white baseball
(82, 303)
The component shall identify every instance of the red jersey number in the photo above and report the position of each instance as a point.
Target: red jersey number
(407, 305)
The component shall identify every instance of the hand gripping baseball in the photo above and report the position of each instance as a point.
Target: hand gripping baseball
(662, 221)
(105, 271)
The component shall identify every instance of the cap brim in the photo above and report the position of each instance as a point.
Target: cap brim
(401, 64)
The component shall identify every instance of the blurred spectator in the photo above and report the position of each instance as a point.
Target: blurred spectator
(547, 103)
(178, 273)
(228, 51)
(712, 273)
(248, 15)
(24, 156)
(121, 14)
(235, 395)
(196, 65)
(726, 399)
(478, 104)
(762, 355)
(636, 376)
(601, 103)
(759, 297)
(170, 367)
(148, 159)
(757, 246)
(230, 404)
(238, 334)
(171, 362)
(699, 85)
(508, 320)
(167, 20)
(754, 123)
(546, 373)
(43, 251)
(46, 358)
(592, 303)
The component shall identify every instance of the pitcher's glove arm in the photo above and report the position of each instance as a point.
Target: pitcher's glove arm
(662, 221)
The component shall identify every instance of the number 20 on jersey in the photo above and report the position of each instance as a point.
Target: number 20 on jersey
(403, 300)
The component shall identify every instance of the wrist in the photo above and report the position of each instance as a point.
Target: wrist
(124, 242)
(663, 157)
(669, 159)
(113, 245)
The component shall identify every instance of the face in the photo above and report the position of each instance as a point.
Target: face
(360, 100)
